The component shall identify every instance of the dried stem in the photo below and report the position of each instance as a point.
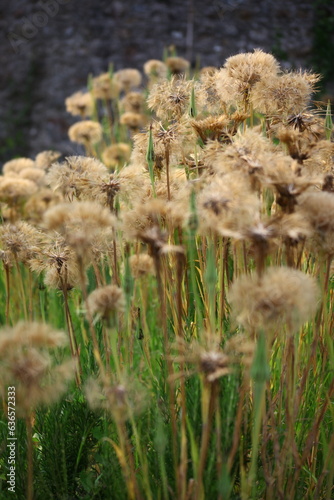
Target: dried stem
(170, 371)
(211, 390)
(73, 343)
(96, 349)
(167, 170)
(184, 454)
(7, 281)
(21, 285)
(110, 114)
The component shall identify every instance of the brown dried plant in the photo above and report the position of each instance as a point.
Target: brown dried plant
(280, 295)
(27, 364)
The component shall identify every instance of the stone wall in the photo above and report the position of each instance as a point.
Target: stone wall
(49, 47)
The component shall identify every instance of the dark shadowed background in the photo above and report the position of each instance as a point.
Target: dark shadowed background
(49, 47)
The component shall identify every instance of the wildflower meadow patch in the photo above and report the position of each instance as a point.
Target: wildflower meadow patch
(167, 319)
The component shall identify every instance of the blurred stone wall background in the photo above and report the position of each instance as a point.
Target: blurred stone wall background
(49, 47)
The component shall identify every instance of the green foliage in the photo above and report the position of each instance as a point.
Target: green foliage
(65, 440)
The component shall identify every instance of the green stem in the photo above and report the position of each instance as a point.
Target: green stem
(30, 484)
(21, 286)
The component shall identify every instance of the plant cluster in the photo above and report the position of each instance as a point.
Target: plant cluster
(188, 256)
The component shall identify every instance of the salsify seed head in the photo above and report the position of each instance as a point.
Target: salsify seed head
(123, 398)
(209, 360)
(177, 65)
(236, 80)
(134, 102)
(141, 265)
(16, 165)
(80, 104)
(85, 132)
(280, 295)
(36, 175)
(21, 241)
(39, 202)
(75, 175)
(80, 223)
(318, 210)
(105, 87)
(44, 159)
(155, 70)
(116, 155)
(170, 99)
(284, 94)
(27, 364)
(133, 120)
(105, 301)
(14, 190)
(128, 79)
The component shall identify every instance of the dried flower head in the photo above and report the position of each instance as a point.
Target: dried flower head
(280, 295)
(293, 227)
(177, 181)
(177, 65)
(284, 174)
(36, 175)
(321, 158)
(79, 222)
(20, 241)
(208, 70)
(134, 121)
(177, 138)
(318, 209)
(251, 67)
(210, 360)
(72, 176)
(44, 159)
(106, 301)
(141, 265)
(65, 279)
(116, 155)
(102, 191)
(135, 183)
(155, 70)
(299, 144)
(170, 99)
(134, 102)
(247, 154)
(39, 202)
(226, 206)
(58, 261)
(128, 79)
(80, 104)
(105, 87)
(208, 96)
(143, 217)
(241, 72)
(306, 121)
(15, 166)
(123, 398)
(15, 190)
(85, 132)
(285, 94)
(212, 128)
(26, 363)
